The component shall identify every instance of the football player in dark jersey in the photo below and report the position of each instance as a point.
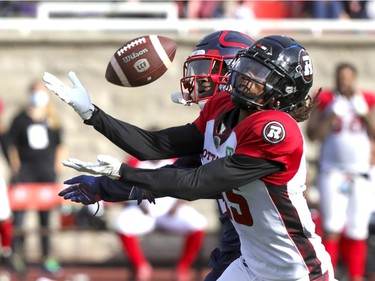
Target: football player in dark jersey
(253, 154)
(204, 73)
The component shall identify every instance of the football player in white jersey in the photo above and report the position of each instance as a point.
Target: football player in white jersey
(204, 73)
(344, 123)
(253, 154)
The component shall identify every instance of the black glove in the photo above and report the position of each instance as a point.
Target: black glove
(137, 193)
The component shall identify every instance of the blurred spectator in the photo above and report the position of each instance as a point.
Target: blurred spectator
(344, 123)
(204, 9)
(182, 7)
(271, 9)
(327, 9)
(299, 9)
(247, 9)
(371, 240)
(168, 214)
(18, 8)
(356, 9)
(244, 10)
(7, 256)
(370, 9)
(36, 152)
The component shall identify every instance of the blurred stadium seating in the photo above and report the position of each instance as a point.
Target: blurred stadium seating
(162, 16)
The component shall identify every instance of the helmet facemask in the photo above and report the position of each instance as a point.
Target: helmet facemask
(205, 70)
(248, 84)
(202, 76)
(276, 88)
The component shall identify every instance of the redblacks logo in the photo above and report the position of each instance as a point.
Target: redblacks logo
(274, 132)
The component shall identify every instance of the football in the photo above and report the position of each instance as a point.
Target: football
(141, 61)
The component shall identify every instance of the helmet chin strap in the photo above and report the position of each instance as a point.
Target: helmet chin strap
(177, 98)
(273, 104)
(242, 103)
(202, 103)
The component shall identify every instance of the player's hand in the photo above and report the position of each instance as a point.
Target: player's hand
(139, 194)
(83, 189)
(77, 97)
(105, 166)
(359, 105)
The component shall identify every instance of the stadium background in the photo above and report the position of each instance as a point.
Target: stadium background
(25, 54)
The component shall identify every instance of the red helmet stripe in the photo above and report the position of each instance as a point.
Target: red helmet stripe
(232, 44)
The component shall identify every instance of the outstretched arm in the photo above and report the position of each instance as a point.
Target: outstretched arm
(89, 190)
(148, 145)
(142, 144)
(204, 182)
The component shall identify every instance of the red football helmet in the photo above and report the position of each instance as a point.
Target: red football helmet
(206, 68)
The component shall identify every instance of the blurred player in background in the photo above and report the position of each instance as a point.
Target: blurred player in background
(371, 239)
(36, 151)
(252, 154)
(168, 214)
(204, 73)
(344, 123)
(8, 258)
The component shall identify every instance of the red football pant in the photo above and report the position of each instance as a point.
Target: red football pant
(354, 254)
(131, 245)
(193, 243)
(6, 233)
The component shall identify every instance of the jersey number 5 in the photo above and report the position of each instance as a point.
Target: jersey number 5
(238, 210)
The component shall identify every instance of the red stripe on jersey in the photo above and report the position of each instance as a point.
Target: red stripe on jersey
(294, 227)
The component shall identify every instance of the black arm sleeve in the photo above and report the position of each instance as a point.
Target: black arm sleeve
(112, 190)
(148, 145)
(206, 181)
(188, 162)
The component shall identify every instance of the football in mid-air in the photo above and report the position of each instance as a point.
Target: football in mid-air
(141, 61)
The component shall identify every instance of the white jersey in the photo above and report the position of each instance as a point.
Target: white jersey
(347, 147)
(5, 211)
(271, 216)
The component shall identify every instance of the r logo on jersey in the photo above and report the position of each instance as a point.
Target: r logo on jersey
(274, 132)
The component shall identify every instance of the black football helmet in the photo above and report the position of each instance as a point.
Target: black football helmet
(207, 66)
(278, 66)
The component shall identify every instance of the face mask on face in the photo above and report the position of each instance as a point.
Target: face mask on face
(39, 98)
